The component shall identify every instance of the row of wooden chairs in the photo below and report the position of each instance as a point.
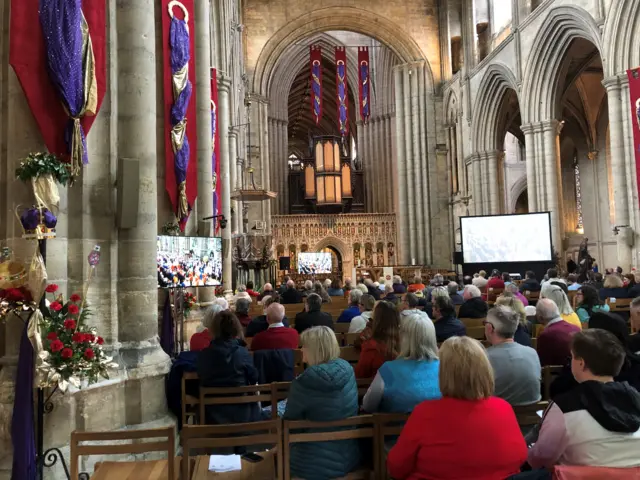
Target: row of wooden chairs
(275, 433)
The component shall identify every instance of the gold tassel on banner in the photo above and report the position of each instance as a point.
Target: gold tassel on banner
(77, 149)
(183, 205)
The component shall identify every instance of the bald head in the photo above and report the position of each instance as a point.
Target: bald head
(546, 310)
(275, 313)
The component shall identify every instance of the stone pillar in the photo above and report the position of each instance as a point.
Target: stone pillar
(224, 85)
(383, 199)
(265, 166)
(388, 164)
(140, 351)
(284, 158)
(477, 184)
(531, 168)
(402, 218)
(419, 160)
(539, 170)
(618, 106)
(551, 157)
(407, 143)
(233, 179)
(493, 185)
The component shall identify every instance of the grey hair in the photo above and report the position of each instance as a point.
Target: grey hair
(512, 287)
(368, 282)
(547, 310)
(439, 292)
(355, 295)
(635, 302)
(473, 291)
(388, 289)
(242, 305)
(362, 287)
(555, 293)
(222, 302)
(452, 288)
(327, 283)
(314, 301)
(209, 314)
(242, 288)
(290, 283)
(504, 320)
(308, 285)
(397, 280)
(418, 338)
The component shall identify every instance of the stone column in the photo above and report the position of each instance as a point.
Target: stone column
(388, 156)
(233, 179)
(617, 106)
(402, 218)
(224, 85)
(540, 172)
(265, 166)
(493, 186)
(383, 199)
(551, 131)
(531, 168)
(137, 283)
(477, 184)
(408, 146)
(284, 156)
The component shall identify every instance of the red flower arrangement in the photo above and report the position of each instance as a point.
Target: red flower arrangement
(189, 303)
(73, 351)
(16, 300)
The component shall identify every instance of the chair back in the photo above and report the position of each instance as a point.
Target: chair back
(567, 472)
(232, 435)
(340, 338)
(549, 373)
(527, 415)
(532, 296)
(164, 440)
(362, 426)
(232, 395)
(493, 294)
(189, 402)
(350, 339)
(476, 332)
(350, 354)
(617, 305)
(473, 322)
(341, 327)
(363, 386)
(298, 363)
(279, 391)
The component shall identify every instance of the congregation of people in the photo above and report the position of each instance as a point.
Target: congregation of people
(459, 358)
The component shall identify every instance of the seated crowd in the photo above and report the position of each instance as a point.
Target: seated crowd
(457, 358)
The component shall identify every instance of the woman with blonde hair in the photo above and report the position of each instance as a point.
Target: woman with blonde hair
(325, 391)
(468, 433)
(556, 293)
(523, 333)
(613, 287)
(412, 378)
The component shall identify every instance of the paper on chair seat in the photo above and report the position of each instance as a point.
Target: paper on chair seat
(225, 463)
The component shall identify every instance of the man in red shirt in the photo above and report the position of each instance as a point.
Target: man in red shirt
(277, 336)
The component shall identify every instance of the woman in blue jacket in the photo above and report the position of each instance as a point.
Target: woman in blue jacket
(412, 378)
(326, 391)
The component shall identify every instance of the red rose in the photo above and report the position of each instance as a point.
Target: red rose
(100, 340)
(14, 295)
(52, 336)
(73, 309)
(88, 354)
(70, 324)
(66, 353)
(90, 337)
(51, 288)
(75, 298)
(55, 306)
(78, 337)
(56, 345)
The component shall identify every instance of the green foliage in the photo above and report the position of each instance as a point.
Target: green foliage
(37, 164)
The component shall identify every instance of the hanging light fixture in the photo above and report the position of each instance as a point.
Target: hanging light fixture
(327, 175)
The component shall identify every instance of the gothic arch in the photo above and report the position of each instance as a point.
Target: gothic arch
(497, 80)
(336, 243)
(546, 62)
(327, 19)
(621, 37)
(452, 106)
(517, 189)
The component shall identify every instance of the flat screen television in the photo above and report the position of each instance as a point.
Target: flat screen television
(507, 238)
(185, 262)
(312, 263)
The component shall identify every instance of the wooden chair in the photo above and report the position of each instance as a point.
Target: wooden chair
(549, 373)
(234, 435)
(527, 415)
(457, 307)
(350, 354)
(363, 386)
(340, 338)
(493, 294)
(476, 332)
(189, 402)
(532, 297)
(298, 363)
(473, 322)
(388, 424)
(248, 341)
(341, 327)
(164, 441)
(279, 391)
(617, 305)
(365, 427)
(537, 329)
(232, 395)
(350, 339)
(534, 343)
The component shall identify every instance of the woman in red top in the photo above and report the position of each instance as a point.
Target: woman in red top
(201, 340)
(416, 285)
(467, 434)
(383, 342)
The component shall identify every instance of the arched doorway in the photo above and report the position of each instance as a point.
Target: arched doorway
(522, 203)
(336, 259)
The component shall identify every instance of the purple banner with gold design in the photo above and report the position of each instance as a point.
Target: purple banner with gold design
(364, 83)
(341, 90)
(215, 136)
(315, 62)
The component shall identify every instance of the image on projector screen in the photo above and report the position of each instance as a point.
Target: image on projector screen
(189, 261)
(506, 238)
(312, 263)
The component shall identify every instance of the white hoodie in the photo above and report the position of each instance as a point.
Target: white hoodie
(359, 323)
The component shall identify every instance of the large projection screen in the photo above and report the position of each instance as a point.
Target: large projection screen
(506, 238)
(312, 263)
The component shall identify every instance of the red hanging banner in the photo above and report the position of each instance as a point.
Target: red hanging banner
(315, 63)
(215, 139)
(364, 83)
(184, 132)
(634, 90)
(341, 90)
(28, 58)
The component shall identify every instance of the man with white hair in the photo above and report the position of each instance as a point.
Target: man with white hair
(554, 343)
(372, 289)
(353, 310)
(456, 299)
(266, 290)
(291, 294)
(259, 323)
(241, 292)
(516, 368)
(222, 302)
(201, 340)
(474, 306)
(276, 336)
(398, 286)
(308, 288)
(327, 283)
